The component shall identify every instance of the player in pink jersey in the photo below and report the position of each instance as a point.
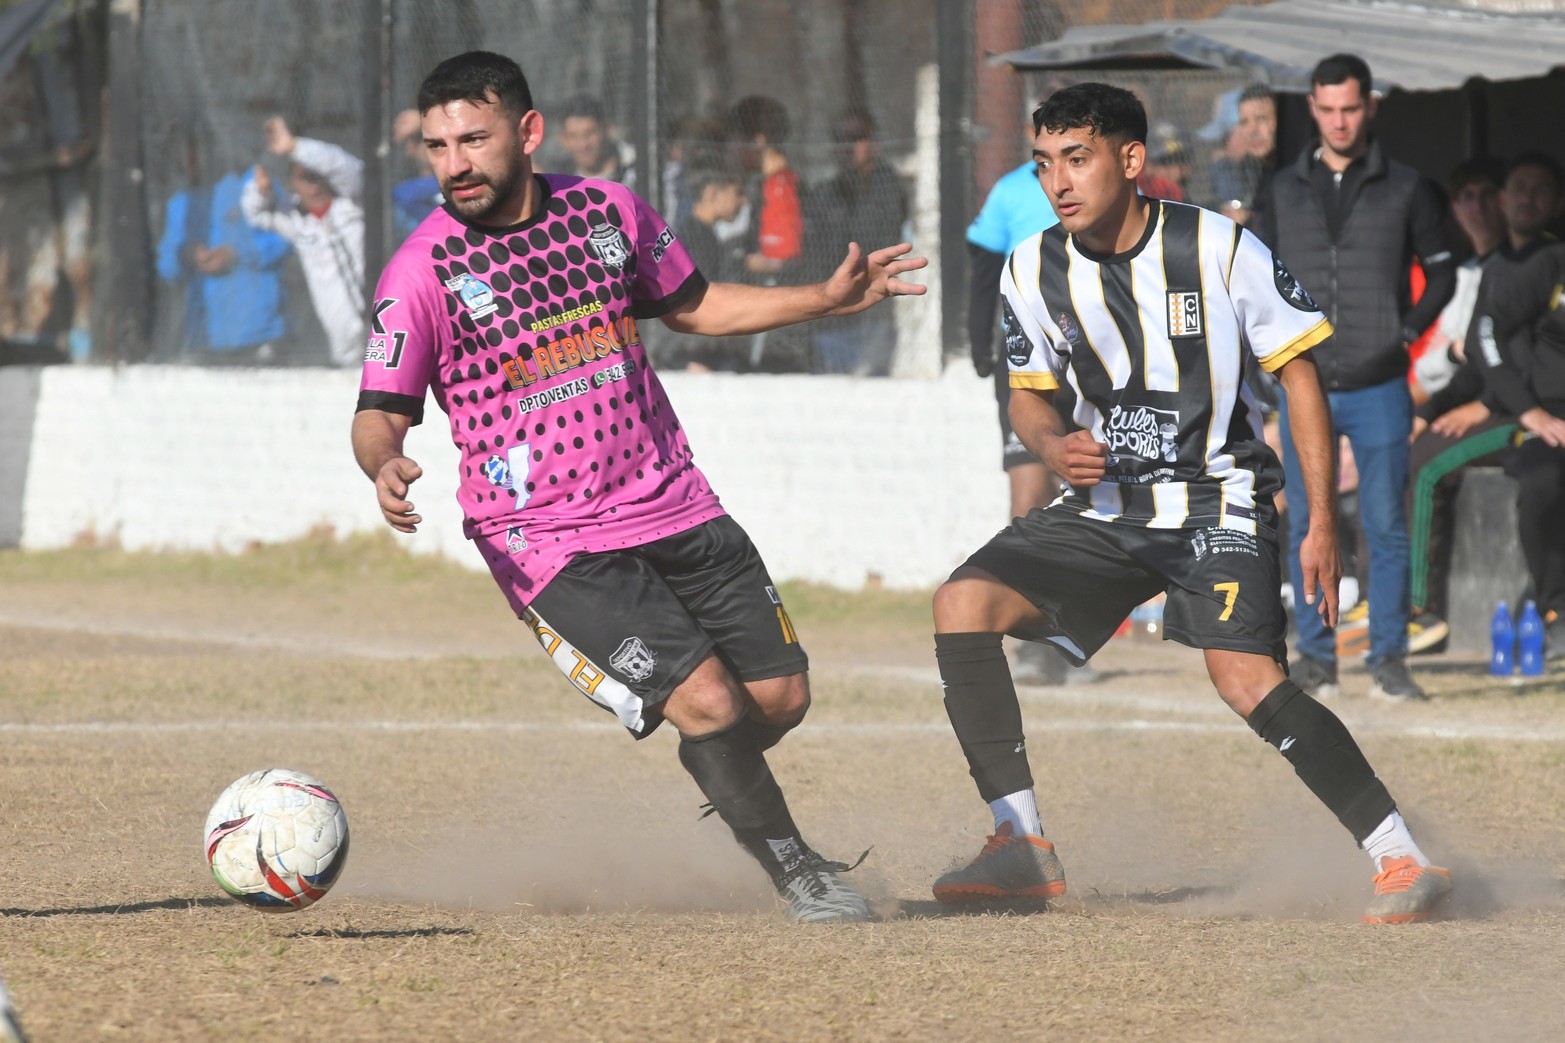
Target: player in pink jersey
(517, 303)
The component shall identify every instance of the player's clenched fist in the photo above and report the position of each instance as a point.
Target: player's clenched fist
(1077, 458)
(391, 489)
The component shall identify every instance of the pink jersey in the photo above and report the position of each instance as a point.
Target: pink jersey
(528, 337)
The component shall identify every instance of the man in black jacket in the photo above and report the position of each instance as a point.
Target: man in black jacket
(1521, 338)
(1347, 221)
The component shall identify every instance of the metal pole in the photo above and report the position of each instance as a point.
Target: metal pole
(376, 85)
(644, 105)
(122, 303)
(954, 54)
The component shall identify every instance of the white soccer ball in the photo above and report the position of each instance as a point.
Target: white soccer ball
(276, 840)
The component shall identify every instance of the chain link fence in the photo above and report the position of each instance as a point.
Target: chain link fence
(881, 118)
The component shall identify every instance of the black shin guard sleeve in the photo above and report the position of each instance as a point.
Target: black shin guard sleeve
(981, 702)
(733, 774)
(767, 735)
(1324, 756)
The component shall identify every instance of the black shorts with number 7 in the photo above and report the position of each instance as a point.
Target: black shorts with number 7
(1085, 576)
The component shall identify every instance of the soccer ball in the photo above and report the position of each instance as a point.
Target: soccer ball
(276, 840)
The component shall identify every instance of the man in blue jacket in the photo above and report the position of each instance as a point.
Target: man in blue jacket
(231, 273)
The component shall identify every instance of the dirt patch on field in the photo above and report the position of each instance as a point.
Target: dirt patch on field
(521, 869)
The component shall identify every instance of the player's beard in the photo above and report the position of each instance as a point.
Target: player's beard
(501, 191)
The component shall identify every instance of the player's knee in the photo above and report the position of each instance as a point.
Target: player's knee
(707, 701)
(781, 701)
(964, 605)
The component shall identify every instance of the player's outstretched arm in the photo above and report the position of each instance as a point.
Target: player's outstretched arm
(728, 309)
(1310, 424)
(377, 445)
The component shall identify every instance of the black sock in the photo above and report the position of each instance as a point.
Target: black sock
(733, 774)
(1324, 756)
(981, 702)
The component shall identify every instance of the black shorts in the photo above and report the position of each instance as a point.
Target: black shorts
(1012, 452)
(1085, 576)
(628, 626)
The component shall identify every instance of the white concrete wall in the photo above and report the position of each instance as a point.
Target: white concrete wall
(836, 478)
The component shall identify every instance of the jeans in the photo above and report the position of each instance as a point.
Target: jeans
(1376, 421)
(863, 347)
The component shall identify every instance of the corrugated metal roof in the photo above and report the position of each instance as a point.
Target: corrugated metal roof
(1408, 46)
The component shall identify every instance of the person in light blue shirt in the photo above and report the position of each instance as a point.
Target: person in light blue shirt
(231, 273)
(1015, 209)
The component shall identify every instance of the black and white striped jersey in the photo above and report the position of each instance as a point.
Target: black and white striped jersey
(1155, 341)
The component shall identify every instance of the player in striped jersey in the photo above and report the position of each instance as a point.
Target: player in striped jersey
(1150, 311)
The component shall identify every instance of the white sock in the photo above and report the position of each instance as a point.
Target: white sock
(1391, 839)
(1020, 809)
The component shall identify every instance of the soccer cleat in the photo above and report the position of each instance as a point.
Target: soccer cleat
(1318, 677)
(1009, 866)
(1406, 892)
(1353, 630)
(1426, 632)
(1394, 684)
(809, 887)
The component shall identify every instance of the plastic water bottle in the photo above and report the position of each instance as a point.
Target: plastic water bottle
(1529, 640)
(1502, 636)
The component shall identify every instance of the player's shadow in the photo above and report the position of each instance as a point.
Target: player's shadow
(926, 909)
(123, 907)
(405, 932)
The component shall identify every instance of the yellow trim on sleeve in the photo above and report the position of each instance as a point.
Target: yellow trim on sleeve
(1033, 381)
(1298, 346)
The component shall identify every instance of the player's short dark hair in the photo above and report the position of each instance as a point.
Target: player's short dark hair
(480, 77)
(706, 175)
(761, 115)
(1111, 113)
(1340, 68)
(1541, 160)
(1472, 171)
(583, 106)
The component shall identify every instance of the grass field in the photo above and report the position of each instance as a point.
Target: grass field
(522, 870)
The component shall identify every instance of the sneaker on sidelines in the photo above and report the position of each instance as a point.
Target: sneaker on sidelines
(1553, 636)
(1394, 684)
(1009, 866)
(1406, 892)
(1038, 664)
(1317, 677)
(1353, 630)
(1083, 674)
(1426, 632)
(808, 885)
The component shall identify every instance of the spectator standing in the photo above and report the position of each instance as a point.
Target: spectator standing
(415, 197)
(776, 223)
(1168, 164)
(1248, 159)
(230, 272)
(325, 226)
(718, 195)
(1463, 424)
(864, 203)
(1346, 219)
(584, 135)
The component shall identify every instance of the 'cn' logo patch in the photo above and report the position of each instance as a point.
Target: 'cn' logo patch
(1184, 315)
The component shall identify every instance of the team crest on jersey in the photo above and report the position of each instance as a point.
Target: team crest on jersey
(497, 472)
(1184, 314)
(1289, 287)
(475, 293)
(634, 659)
(1068, 327)
(609, 244)
(1018, 349)
(515, 541)
(1142, 433)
